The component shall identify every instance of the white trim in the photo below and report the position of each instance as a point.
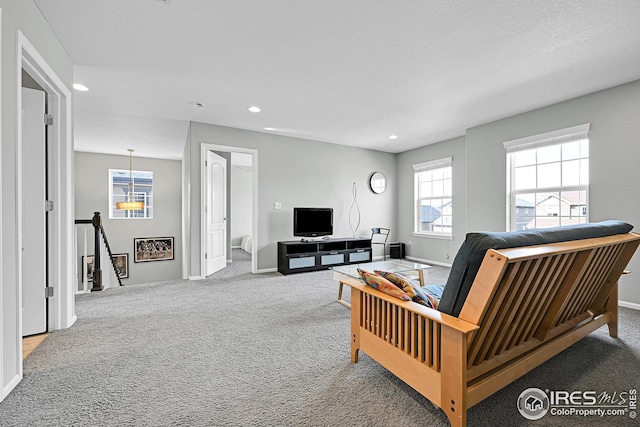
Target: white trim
(62, 265)
(428, 262)
(631, 305)
(4, 390)
(203, 226)
(197, 277)
(267, 270)
(553, 137)
(61, 228)
(433, 164)
(11, 384)
(434, 235)
(204, 147)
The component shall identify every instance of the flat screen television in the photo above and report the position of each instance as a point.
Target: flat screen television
(312, 222)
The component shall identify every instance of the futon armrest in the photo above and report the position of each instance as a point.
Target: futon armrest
(429, 313)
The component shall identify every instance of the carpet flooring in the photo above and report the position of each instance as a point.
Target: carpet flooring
(239, 349)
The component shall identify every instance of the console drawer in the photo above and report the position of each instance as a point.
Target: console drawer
(332, 259)
(359, 256)
(302, 262)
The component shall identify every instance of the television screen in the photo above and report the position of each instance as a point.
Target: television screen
(312, 222)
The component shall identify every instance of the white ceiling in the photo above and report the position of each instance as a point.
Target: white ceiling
(346, 72)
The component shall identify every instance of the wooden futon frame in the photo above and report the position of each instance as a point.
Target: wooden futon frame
(525, 306)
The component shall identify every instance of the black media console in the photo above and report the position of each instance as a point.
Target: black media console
(299, 256)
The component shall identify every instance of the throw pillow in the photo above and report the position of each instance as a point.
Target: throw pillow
(434, 293)
(378, 282)
(409, 286)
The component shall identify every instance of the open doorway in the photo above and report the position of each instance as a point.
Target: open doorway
(236, 169)
(241, 212)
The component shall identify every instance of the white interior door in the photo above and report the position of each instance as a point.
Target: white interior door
(216, 213)
(34, 243)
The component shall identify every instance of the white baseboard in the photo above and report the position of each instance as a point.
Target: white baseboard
(11, 384)
(428, 261)
(73, 321)
(631, 305)
(264, 270)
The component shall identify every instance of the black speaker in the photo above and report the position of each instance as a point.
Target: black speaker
(396, 250)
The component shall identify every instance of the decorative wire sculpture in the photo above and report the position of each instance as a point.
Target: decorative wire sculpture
(355, 203)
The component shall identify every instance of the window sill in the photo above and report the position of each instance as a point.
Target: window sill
(434, 236)
(119, 218)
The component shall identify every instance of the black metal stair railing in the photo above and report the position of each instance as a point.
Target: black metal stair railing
(96, 221)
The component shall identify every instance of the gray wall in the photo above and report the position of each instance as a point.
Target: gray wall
(432, 249)
(480, 171)
(25, 16)
(614, 141)
(295, 172)
(186, 206)
(92, 194)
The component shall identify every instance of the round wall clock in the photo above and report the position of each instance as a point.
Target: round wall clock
(378, 182)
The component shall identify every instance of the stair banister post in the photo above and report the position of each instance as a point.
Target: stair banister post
(96, 221)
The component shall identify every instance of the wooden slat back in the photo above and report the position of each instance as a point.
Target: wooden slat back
(526, 295)
(417, 336)
(600, 301)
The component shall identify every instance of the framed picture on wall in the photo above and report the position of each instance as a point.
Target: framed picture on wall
(89, 262)
(152, 249)
(121, 262)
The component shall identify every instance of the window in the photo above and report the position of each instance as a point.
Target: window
(119, 182)
(548, 179)
(433, 197)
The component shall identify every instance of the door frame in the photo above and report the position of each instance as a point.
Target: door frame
(60, 160)
(204, 147)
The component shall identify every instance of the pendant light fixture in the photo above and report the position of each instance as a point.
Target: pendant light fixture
(130, 204)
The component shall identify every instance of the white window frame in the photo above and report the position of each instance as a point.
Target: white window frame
(147, 197)
(418, 168)
(557, 137)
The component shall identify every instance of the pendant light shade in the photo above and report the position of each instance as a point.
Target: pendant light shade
(130, 204)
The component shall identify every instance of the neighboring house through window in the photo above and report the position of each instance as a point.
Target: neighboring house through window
(119, 181)
(548, 179)
(433, 197)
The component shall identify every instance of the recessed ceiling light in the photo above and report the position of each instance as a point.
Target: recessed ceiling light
(254, 109)
(198, 104)
(269, 128)
(393, 136)
(80, 87)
